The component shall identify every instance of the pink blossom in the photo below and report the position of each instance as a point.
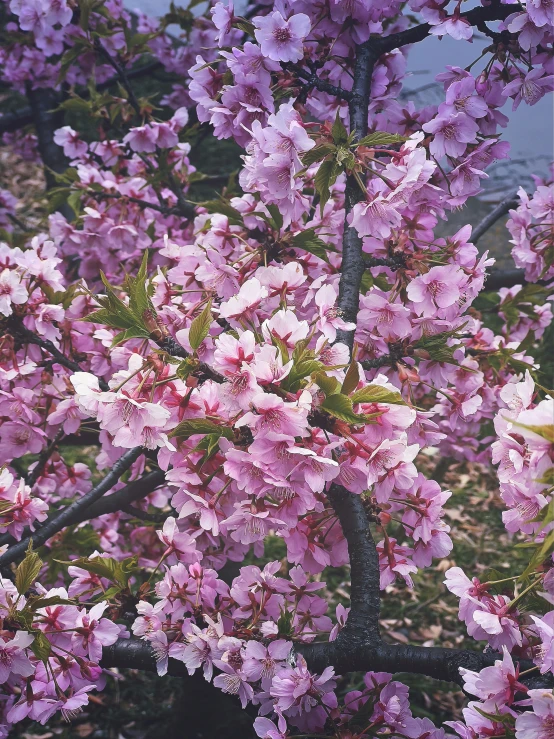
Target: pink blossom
(498, 682)
(438, 288)
(452, 133)
(274, 415)
(297, 688)
(280, 39)
(11, 291)
(92, 632)
(13, 658)
(539, 720)
(233, 682)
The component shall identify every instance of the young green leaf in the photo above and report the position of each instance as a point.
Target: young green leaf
(377, 394)
(380, 138)
(351, 379)
(200, 327)
(340, 406)
(325, 177)
(192, 426)
(27, 571)
(317, 154)
(338, 131)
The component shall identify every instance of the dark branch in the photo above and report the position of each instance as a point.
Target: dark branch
(365, 599)
(352, 267)
(67, 516)
(169, 345)
(435, 662)
(20, 331)
(311, 80)
(504, 278)
(497, 212)
(47, 119)
(398, 261)
(187, 210)
(43, 458)
(492, 12)
(118, 501)
(363, 621)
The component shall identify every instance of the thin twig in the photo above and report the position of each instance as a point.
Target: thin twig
(121, 73)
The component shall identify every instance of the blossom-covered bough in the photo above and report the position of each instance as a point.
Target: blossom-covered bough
(268, 362)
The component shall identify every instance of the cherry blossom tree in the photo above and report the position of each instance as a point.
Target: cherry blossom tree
(268, 362)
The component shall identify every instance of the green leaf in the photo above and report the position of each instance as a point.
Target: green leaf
(113, 570)
(325, 177)
(192, 426)
(27, 571)
(299, 371)
(317, 154)
(338, 131)
(200, 327)
(41, 647)
(131, 333)
(109, 594)
(351, 379)
(377, 394)
(34, 602)
(340, 406)
(527, 342)
(309, 241)
(546, 431)
(276, 215)
(225, 208)
(380, 138)
(329, 385)
(245, 26)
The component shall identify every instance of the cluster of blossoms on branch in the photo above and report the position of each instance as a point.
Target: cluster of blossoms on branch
(211, 340)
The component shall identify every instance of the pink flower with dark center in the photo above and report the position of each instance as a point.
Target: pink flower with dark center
(13, 658)
(92, 632)
(282, 40)
(538, 723)
(438, 288)
(11, 291)
(233, 682)
(274, 415)
(452, 133)
(498, 682)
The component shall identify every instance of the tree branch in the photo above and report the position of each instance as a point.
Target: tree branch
(43, 458)
(492, 12)
(398, 261)
(504, 278)
(186, 209)
(310, 79)
(66, 517)
(362, 625)
(497, 212)
(435, 662)
(118, 501)
(352, 266)
(19, 330)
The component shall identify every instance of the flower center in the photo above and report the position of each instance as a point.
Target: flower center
(282, 35)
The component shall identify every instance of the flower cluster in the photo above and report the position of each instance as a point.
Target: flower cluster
(215, 343)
